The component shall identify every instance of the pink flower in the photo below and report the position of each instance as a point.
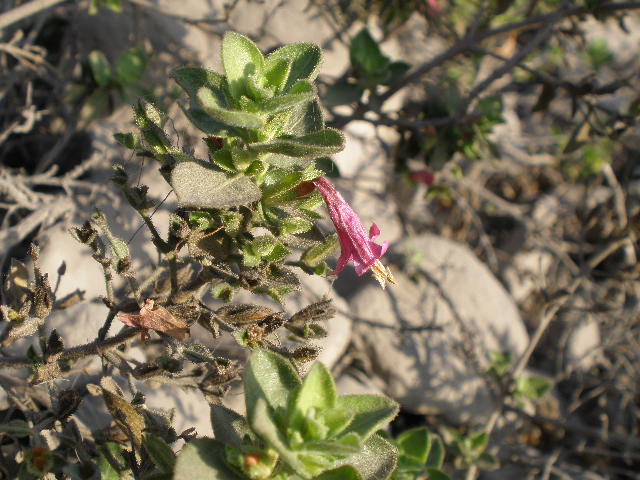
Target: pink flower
(356, 246)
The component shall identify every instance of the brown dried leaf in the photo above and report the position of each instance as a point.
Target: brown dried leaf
(126, 416)
(158, 318)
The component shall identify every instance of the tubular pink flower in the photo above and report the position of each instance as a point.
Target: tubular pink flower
(355, 245)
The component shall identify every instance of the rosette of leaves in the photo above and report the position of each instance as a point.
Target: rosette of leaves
(264, 132)
(295, 429)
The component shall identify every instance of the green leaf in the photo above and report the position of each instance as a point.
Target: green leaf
(533, 387)
(376, 461)
(262, 245)
(415, 443)
(346, 472)
(107, 471)
(191, 79)
(316, 254)
(323, 142)
(148, 114)
(436, 455)
(477, 442)
(214, 106)
(95, 106)
(264, 426)
(366, 54)
(100, 68)
(372, 412)
(16, 428)
(277, 73)
(436, 474)
(161, 453)
(279, 253)
(203, 458)
(275, 191)
(305, 118)
(304, 93)
(224, 160)
(240, 58)
(305, 61)
(318, 391)
(130, 66)
(129, 140)
(208, 125)
(229, 427)
(114, 5)
(294, 225)
(269, 376)
(223, 291)
(336, 419)
(198, 185)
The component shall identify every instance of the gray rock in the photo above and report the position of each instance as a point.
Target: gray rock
(413, 340)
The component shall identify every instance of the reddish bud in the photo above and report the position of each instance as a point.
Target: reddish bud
(251, 459)
(423, 176)
(216, 142)
(304, 188)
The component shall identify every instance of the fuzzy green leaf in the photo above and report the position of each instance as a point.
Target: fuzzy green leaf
(129, 140)
(198, 185)
(305, 61)
(372, 412)
(130, 66)
(277, 72)
(229, 427)
(294, 225)
(191, 79)
(213, 105)
(203, 458)
(304, 93)
(161, 453)
(262, 245)
(240, 58)
(265, 427)
(346, 472)
(323, 142)
(318, 391)
(271, 377)
(376, 461)
(316, 254)
(100, 68)
(208, 125)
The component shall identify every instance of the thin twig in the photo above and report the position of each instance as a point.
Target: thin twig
(25, 11)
